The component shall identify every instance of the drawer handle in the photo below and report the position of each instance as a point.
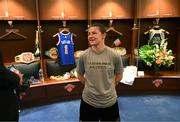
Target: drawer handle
(69, 87)
(157, 82)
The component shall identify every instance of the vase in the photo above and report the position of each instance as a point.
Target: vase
(156, 70)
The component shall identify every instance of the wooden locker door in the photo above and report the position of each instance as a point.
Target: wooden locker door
(148, 8)
(16, 10)
(22, 9)
(166, 8)
(3, 9)
(169, 8)
(76, 9)
(51, 9)
(100, 9)
(122, 9)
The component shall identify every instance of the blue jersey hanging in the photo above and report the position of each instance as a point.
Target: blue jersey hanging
(65, 48)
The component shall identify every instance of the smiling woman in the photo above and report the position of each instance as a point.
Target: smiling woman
(100, 70)
(96, 38)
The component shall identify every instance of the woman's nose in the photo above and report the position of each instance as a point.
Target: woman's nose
(90, 35)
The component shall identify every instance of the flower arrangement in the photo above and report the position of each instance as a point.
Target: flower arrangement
(157, 55)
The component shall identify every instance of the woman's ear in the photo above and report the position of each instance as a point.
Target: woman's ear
(104, 35)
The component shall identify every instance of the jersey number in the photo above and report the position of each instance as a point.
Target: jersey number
(66, 49)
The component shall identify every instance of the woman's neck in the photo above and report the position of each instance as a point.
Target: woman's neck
(99, 48)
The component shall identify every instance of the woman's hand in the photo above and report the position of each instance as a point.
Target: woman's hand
(20, 77)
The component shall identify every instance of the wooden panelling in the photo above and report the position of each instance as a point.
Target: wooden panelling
(76, 9)
(123, 9)
(111, 9)
(46, 94)
(169, 8)
(63, 10)
(51, 9)
(35, 96)
(18, 9)
(59, 92)
(159, 8)
(2, 9)
(148, 8)
(51, 92)
(146, 85)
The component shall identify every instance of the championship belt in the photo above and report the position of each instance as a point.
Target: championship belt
(26, 57)
(52, 53)
(78, 53)
(120, 50)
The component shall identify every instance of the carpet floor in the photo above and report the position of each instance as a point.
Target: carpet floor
(147, 108)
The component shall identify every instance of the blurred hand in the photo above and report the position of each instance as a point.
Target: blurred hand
(20, 77)
(21, 95)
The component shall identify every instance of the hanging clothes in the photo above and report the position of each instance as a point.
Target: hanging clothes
(156, 35)
(37, 45)
(66, 48)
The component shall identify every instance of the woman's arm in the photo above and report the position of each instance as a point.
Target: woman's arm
(118, 77)
(81, 78)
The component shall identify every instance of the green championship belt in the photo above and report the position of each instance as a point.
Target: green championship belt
(52, 53)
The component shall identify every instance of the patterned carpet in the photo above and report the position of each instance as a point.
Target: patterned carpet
(148, 108)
